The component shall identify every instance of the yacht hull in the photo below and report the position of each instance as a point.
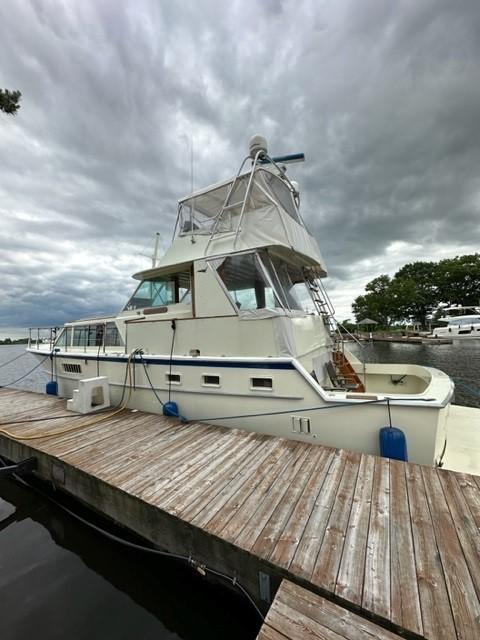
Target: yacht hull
(295, 406)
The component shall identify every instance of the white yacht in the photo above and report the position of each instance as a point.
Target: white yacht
(458, 323)
(234, 326)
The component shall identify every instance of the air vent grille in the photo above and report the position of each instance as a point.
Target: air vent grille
(68, 367)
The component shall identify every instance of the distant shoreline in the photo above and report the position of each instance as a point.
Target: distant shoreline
(9, 341)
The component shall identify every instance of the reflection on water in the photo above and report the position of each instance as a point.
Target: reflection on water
(460, 360)
(59, 579)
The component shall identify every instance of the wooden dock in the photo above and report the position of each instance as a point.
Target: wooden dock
(297, 614)
(396, 543)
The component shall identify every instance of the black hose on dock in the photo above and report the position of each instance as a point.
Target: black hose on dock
(201, 568)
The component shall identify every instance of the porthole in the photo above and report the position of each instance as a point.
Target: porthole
(263, 384)
(210, 380)
(173, 378)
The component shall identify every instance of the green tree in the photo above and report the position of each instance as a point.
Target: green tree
(459, 280)
(377, 303)
(10, 101)
(418, 288)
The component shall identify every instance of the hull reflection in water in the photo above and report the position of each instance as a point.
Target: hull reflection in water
(63, 579)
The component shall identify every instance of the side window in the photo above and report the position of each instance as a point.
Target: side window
(64, 339)
(112, 336)
(162, 291)
(246, 283)
(88, 335)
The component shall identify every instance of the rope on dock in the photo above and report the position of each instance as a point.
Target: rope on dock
(89, 422)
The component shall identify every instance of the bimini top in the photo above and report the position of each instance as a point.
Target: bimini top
(257, 208)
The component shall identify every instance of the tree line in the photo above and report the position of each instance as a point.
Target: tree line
(418, 289)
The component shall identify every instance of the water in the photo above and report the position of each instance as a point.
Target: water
(62, 580)
(460, 360)
(59, 579)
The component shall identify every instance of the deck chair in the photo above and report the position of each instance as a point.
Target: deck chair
(338, 381)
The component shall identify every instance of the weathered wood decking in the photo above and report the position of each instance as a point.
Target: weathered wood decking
(398, 543)
(297, 614)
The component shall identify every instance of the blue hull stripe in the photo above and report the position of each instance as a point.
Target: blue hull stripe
(194, 362)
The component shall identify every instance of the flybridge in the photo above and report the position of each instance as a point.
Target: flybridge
(258, 207)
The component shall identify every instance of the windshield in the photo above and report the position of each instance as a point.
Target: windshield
(259, 281)
(291, 284)
(246, 282)
(161, 291)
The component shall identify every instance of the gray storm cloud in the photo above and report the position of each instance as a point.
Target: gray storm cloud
(384, 99)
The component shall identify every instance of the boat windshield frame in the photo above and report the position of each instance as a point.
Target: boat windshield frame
(273, 272)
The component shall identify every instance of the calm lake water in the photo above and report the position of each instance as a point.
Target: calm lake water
(61, 580)
(460, 360)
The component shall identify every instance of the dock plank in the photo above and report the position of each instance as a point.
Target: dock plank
(405, 597)
(459, 584)
(303, 561)
(288, 541)
(296, 613)
(255, 483)
(437, 616)
(328, 560)
(249, 533)
(268, 537)
(248, 507)
(201, 510)
(376, 597)
(352, 564)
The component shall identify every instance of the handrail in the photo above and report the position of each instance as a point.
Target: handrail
(225, 204)
(362, 346)
(247, 193)
(38, 340)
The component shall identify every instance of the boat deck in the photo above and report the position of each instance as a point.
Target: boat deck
(297, 614)
(463, 439)
(394, 542)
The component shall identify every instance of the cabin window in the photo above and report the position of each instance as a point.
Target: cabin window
(89, 335)
(173, 378)
(64, 339)
(265, 384)
(112, 335)
(161, 291)
(210, 381)
(246, 282)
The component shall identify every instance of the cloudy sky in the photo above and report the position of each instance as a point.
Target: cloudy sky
(383, 97)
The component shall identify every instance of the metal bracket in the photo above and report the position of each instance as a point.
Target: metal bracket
(24, 466)
(264, 587)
